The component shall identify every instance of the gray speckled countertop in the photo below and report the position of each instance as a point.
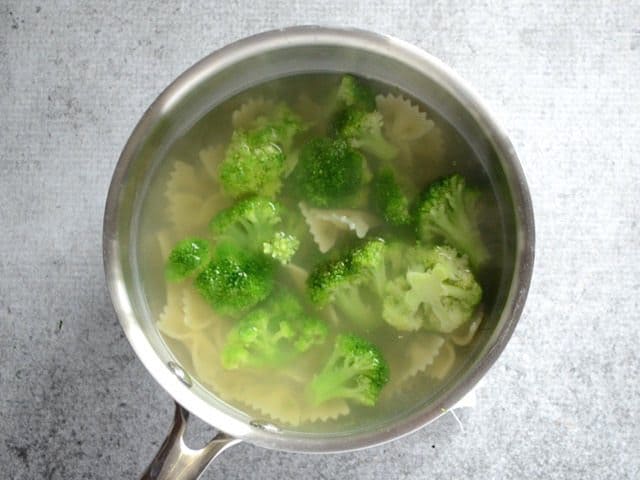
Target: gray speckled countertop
(563, 401)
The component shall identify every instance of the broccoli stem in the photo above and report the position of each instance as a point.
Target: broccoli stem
(330, 383)
(465, 237)
(350, 303)
(378, 147)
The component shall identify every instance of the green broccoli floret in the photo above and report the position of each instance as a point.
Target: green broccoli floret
(352, 282)
(438, 292)
(285, 124)
(247, 223)
(235, 280)
(389, 198)
(255, 160)
(449, 211)
(328, 172)
(355, 370)
(253, 163)
(255, 223)
(188, 257)
(272, 335)
(396, 311)
(363, 130)
(353, 93)
(282, 247)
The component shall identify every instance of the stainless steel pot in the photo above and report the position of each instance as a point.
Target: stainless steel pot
(235, 68)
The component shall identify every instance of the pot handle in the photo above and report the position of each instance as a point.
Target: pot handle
(176, 461)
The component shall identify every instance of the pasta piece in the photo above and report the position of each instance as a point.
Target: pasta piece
(421, 352)
(443, 362)
(185, 179)
(198, 314)
(425, 158)
(274, 401)
(181, 211)
(463, 335)
(171, 320)
(244, 117)
(403, 121)
(411, 356)
(430, 147)
(280, 401)
(193, 197)
(165, 243)
(210, 158)
(326, 225)
(419, 140)
(205, 355)
(330, 410)
(298, 276)
(273, 398)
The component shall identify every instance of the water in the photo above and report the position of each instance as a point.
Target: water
(421, 362)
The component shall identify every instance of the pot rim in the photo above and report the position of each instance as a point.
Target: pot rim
(350, 38)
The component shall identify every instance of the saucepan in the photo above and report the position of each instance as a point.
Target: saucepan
(235, 68)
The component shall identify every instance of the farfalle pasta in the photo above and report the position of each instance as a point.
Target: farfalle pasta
(244, 117)
(327, 225)
(403, 120)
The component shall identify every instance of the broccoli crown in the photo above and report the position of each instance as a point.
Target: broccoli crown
(254, 223)
(352, 267)
(438, 292)
(448, 211)
(353, 93)
(389, 199)
(282, 247)
(396, 311)
(247, 223)
(235, 280)
(328, 171)
(187, 258)
(284, 123)
(254, 163)
(355, 370)
(272, 335)
(351, 282)
(363, 130)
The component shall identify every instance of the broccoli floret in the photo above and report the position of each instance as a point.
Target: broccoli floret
(396, 311)
(363, 130)
(255, 223)
(328, 172)
(449, 211)
(351, 282)
(389, 198)
(281, 247)
(272, 335)
(235, 280)
(353, 93)
(355, 370)
(247, 223)
(188, 257)
(255, 160)
(285, 123)
(253, 163)
(438, 292)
